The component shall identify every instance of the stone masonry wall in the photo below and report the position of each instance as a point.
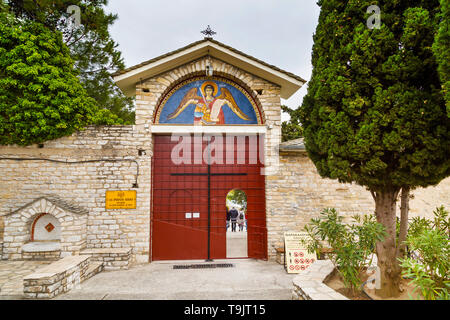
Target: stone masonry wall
(85, 184)
(298, 193)
(2, 228)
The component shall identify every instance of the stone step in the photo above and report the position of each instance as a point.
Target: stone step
(94, 268)
(56, 278)
(112, 258)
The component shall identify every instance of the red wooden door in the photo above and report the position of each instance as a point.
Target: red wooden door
(184, 194)
(174, 236)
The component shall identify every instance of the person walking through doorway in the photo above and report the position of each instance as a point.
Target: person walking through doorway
(233, 215)
(240, 221)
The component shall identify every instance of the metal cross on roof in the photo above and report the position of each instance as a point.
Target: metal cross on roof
(208, 32)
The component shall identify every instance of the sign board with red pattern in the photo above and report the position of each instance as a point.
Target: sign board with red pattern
(297, 258)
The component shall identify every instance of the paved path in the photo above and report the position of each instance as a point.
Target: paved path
(248, 279)
(237, 244)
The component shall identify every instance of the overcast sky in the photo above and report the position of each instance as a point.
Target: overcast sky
(278, 32)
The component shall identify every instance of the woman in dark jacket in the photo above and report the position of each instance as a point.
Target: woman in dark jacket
(234, 215)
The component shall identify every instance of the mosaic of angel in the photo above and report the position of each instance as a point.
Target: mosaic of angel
(208, 106)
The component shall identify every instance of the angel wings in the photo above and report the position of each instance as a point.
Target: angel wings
(213, 105)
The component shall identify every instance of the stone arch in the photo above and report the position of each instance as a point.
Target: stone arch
(218, 74)
(20, 224)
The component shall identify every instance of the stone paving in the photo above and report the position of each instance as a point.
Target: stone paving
(12, 274)
(236, 244)
(249, 279)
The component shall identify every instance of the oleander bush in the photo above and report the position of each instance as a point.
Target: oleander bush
(428, 265)
(352, 244)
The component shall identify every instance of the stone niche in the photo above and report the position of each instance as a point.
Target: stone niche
(47, 228)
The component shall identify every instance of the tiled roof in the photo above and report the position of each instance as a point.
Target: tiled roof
(293, 145)
(120, 72)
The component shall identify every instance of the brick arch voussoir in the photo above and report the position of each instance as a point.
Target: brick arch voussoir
(31, 222)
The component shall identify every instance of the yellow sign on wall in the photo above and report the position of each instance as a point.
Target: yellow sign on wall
(121, 199)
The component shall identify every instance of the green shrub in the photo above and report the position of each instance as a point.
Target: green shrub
(41, 96)
(429, 267)
(351, 244)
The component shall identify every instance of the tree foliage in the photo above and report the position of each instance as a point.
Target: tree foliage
(41, 97)
(291, 129)
(441, 49)
(375, 112)
(238, 197)
(91, 47)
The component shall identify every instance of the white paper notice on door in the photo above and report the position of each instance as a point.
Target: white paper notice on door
(196, 214)
(188, 215)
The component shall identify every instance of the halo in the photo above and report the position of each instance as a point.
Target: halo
(211, 83)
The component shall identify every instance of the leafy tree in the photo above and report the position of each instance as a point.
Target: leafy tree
(41, 97)
(238, 197)
(291, 129)
(91, 47)
(374, 113)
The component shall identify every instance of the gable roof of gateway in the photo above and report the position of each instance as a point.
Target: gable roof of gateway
(126, 79)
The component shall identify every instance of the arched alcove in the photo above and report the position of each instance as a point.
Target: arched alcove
(49, 227)
(45, 227)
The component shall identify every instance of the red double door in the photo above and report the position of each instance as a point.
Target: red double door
(192, 176)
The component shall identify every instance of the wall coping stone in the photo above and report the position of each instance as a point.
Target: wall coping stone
(57, 267)
(106, 251)
(38, 246)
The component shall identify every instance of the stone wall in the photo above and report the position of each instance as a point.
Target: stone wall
(85, 184)
(41, 255)
(111, 259)
(297, 193)
(2, 227)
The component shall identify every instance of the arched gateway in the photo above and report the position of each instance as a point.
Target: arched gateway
(214, 116)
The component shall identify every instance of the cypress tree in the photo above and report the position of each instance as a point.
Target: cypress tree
(375, 112)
